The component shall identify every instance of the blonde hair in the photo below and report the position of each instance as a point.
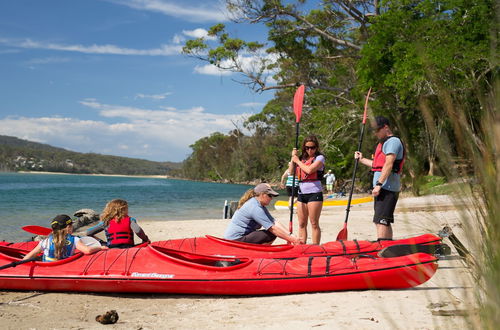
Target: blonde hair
(115, 209)
(246, 196)
(59, 240)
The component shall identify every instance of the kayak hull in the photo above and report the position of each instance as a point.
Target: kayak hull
(159, 270)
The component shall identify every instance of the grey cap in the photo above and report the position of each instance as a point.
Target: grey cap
(265, 188)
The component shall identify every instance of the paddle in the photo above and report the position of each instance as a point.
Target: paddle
(15, 263)
(37, 230)
(343, 233)
(298, 100)
(90, 241)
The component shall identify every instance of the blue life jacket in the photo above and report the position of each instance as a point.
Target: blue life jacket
(68, 250)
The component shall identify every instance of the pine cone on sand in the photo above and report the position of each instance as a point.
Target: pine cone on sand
(110, 317)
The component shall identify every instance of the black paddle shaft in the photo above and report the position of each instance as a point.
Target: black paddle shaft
(293, 180)
(360, 142)
(15, 263)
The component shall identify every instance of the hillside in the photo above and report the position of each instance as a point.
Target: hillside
(22, 155)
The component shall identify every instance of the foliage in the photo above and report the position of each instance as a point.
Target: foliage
(18, 155)
(428, 183)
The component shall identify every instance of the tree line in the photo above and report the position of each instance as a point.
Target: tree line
(22, 155)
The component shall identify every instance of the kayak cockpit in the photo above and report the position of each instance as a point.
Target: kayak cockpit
(250, 246)
(200, 261)
(15, 255)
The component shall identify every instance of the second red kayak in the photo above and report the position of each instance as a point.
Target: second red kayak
(211, 245)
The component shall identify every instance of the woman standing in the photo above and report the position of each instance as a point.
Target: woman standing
(310, 166)
(252, 215)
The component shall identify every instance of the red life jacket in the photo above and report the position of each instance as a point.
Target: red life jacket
(315, 176)
(120, 232)
(379, 158)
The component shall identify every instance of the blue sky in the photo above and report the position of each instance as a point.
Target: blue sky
(107, 76)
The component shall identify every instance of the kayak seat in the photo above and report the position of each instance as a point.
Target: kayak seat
(201, 261)
(250, 246)
(226, 263)
(12, 252)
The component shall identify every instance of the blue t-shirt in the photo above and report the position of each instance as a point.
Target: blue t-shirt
(250, 217)
(393, 182)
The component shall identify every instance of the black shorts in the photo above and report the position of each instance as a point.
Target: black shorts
(384, 206)
(289, 191)
(258, 237)
(314, 197)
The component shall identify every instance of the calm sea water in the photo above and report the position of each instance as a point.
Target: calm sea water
(33, 199)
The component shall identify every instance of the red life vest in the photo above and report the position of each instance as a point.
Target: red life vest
(120, 232)
(315, 176)
(379, 158)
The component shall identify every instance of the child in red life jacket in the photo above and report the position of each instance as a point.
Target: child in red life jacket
(118, 225)
(61, 244)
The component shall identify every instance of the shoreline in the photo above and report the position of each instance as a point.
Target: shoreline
(94, 174)
(158, 176)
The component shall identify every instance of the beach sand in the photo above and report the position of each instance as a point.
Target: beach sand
(450, 291)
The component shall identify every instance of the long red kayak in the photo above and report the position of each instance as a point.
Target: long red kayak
(212, 245)
(218, 246)
(154, 269)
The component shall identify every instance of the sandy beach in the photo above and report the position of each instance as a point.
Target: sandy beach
(437, 304)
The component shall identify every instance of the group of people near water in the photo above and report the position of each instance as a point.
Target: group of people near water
(252, 222)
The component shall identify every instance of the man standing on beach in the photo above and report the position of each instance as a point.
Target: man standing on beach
(330, 180)
(387, 166)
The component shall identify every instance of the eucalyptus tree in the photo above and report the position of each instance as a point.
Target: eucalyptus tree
(315, 43)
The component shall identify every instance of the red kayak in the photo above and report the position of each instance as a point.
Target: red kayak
(211, 245)
(154, 269)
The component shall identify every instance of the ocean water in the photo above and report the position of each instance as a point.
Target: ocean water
(33, 199)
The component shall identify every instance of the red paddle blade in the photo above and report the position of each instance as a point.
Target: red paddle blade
(37, 230)
(366, 104)
(342, 236)
(298, 100)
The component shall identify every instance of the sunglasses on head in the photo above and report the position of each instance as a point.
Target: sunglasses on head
(310, 147)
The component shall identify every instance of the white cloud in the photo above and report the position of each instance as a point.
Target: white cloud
(153, 96)
(251, 104)
(163, 50)
(177, 39)
(211, 70)
(156, 134)
(254, 64)
(215, 12)
(198, 33)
